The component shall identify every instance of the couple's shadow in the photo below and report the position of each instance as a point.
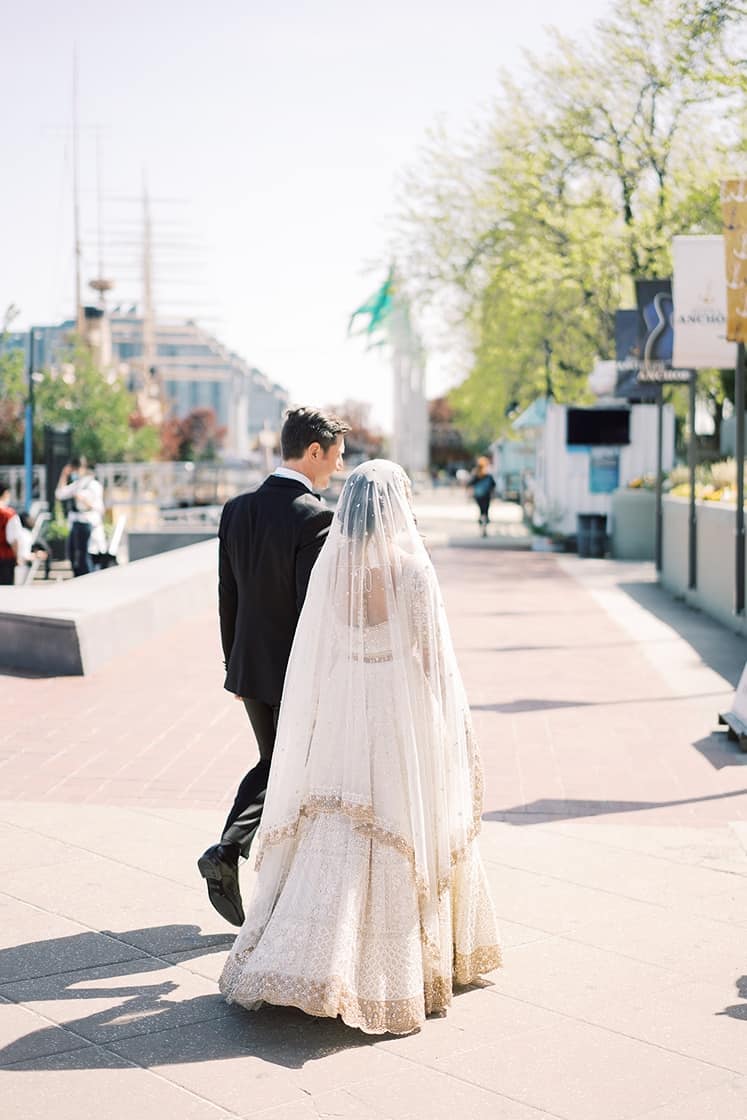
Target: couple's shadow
(141, 1023)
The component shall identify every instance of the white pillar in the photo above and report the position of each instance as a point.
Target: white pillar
(238, 416)
(410, 437)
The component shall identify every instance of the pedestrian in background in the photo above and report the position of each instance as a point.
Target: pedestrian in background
(68, 504)
(86, 518)
(483, 484)
(28, 550)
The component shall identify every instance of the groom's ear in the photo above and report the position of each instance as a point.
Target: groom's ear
(314, 450)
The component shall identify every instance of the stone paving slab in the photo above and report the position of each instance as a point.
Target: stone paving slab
(712, 848)
(106, 1004)
(66, 944)
(272, 1067)
(650, 875)
(403, 1094)
(724, 1103)
(578, 1070)
(85, 890)
(481, 1012)
(576, 979)
(26, 1035)
(613, 839)
(92, 1082)
(704, 947)
(694, 1018)
(127, 839)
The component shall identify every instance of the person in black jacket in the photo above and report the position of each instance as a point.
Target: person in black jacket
(483, 485)
(269, 540)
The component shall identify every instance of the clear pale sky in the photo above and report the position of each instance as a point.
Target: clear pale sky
(283, 128)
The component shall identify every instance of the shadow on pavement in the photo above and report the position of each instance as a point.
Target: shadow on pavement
(510, 707)
(539, 704)
(552, 809)
(716, 646)
(720, 751)
(141, 1024)
(564, 648)
(533, 612)
(499, 542)
(738, 1010)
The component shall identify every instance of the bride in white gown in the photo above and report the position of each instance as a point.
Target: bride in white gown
(371, 899)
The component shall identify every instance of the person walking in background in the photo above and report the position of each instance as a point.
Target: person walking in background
(10, 527)
(68, 504)
(86, 517)
(28, 550)
(269, 540)
(483, 485)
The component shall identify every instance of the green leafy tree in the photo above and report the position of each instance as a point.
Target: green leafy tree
(143, 441)
(98, 407)
(525, 240)
(12, 401)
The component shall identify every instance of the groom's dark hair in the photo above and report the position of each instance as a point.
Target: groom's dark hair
(304, 426)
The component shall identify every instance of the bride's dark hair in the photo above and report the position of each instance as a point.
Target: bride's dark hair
(361, 506)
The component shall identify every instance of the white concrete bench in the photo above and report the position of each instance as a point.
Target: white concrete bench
(71, 628)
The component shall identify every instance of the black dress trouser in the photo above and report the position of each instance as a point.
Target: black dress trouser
(80, 557)
(243, 820)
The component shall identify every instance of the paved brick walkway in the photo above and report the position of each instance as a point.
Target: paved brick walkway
(574, 715)
(613, 839)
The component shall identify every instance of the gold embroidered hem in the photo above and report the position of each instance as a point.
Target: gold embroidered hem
(438, 994)
(364, 821)
(467, 967)
(361, 815)
(343, 931)
(330, 998)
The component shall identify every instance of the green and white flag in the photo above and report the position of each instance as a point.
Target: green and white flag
(378, 308)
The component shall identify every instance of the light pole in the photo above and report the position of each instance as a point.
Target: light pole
(28, 434)
(739, 455)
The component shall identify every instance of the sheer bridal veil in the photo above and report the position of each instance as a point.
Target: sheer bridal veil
(374, 721)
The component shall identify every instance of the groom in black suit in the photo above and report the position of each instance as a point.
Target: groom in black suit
(269, 541)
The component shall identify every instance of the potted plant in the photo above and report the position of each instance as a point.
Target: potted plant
(56, 534)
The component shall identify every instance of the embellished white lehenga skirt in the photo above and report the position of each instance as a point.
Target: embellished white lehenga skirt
(344, 920)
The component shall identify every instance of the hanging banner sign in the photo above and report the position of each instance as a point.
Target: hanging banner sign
(628, 358)
(734, 211)
(656, 332)
(700, 304)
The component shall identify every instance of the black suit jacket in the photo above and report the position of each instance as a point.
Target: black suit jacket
(269, 541)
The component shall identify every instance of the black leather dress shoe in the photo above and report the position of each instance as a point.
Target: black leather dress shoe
(220, 869)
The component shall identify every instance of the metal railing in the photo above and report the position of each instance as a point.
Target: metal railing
(16, 476)
(148, 492)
